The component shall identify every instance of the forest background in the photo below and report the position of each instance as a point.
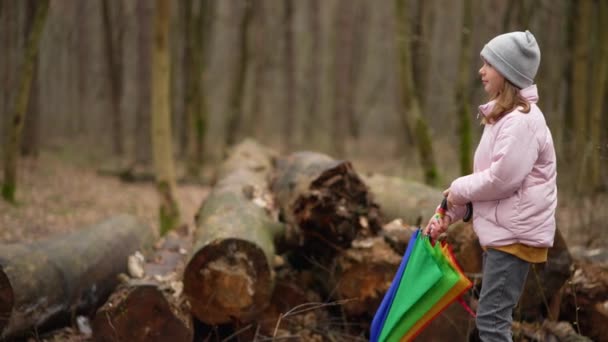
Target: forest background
(390, 85)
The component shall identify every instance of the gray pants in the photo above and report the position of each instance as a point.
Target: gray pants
(504, 276)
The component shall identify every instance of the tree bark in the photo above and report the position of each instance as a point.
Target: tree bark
(235, 106)
(463, 90)
(149, 306)
(598, 101)
(233, 249)
(161, 119)
(11, 156)
(143, 154)
(579, 87)
(324, 202)
(55, 278)
(411, 109)
(114, 67)
(196, 107)
(289, 73)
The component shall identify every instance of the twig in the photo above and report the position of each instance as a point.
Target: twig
(238, 332)
(298, 309)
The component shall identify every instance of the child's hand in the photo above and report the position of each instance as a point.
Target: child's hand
(437, 226)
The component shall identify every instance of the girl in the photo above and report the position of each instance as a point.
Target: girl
(513, 186)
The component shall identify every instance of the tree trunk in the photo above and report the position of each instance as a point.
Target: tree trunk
(161, 119)
(195, 102)
(324, 202)
(55, 278)
(411, 111)
(313, 71)
(289, 73)
(463, 90)
(16, 124)
(143, 154)
(114, 67)
(235, 107)
(149, 306)
(233, 249)
(579, 87)
(345, 56)
(598, 101)
(29, 146)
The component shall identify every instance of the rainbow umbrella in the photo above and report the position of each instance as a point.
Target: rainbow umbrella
(427, 281)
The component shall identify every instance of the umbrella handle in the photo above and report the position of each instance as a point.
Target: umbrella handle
(443, 208)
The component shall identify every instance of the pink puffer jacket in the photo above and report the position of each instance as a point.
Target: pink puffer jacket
(513, 187)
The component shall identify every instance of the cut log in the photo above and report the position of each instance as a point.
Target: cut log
(414, 204)
(55, 278)
(362, 274)
(585, 300)
(293, 302)
(229, 275)
(149, 307)
(545, 281)
(399, 198)
(324, 202)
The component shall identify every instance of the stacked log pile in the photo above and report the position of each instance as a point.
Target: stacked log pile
(297, 247)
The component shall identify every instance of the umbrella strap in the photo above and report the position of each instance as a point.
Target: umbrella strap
(466, 307)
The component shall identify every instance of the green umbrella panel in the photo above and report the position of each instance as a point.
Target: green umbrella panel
(433, 292)
(420, 275)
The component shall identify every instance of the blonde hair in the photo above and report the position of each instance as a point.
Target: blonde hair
(507, 100)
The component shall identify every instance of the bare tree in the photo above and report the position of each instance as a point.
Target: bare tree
(412, 114)
(579, 86)
(349, 30)
(314, 70)
(30, 143)
(463, 90)
(598, 100)
(142, 101)
(15, 126)
(235, 107)
(114, 64)
(161, 119)
(196, 105)
(289, 72)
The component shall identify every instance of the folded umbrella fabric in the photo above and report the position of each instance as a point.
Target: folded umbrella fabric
(433, 294)
(462, 285)
(422, 274)
(385, 305)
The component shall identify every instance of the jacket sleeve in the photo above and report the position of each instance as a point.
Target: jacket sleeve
(513, 155)
(456, 212)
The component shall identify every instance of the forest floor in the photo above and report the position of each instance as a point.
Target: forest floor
(58, 195)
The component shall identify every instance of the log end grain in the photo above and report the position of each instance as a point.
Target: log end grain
(7, 299)
(146, 314)
(228, 279)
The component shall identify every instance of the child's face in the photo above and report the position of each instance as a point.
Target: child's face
(492, 80)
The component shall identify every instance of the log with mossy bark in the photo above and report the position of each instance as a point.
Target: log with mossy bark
(50, 280)
(229, 276)
(324, 202)
(148, 306)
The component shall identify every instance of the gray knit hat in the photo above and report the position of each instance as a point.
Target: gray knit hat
(514, 55)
